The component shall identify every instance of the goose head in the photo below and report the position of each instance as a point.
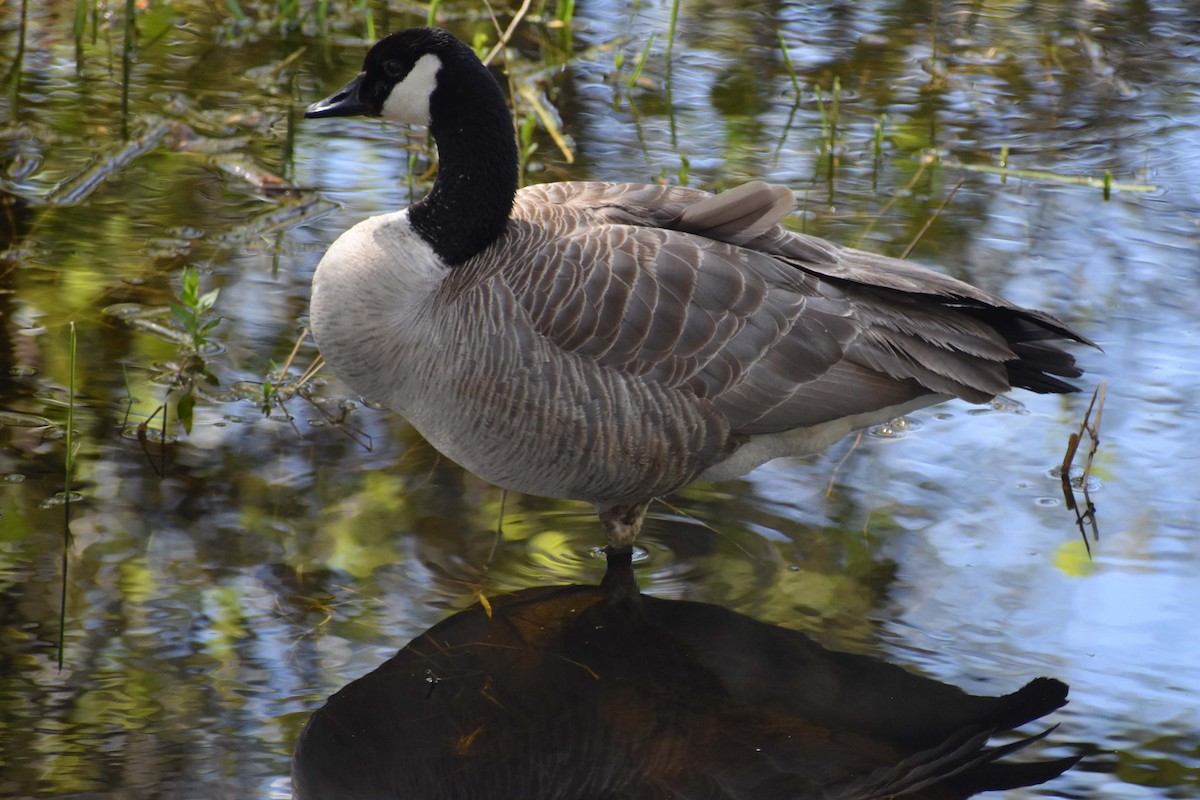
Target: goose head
(426, 77)
(398, 80)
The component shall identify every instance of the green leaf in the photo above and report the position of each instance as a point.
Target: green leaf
(190, 283)
(183, 410)
(207, 300)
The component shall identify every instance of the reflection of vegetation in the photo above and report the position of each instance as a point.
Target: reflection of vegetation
(311, 17)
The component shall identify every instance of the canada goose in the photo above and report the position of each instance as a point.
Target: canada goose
(612, 342)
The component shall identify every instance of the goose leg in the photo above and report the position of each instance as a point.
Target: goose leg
(621, 524)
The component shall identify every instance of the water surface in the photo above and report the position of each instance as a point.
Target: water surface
(223, 585)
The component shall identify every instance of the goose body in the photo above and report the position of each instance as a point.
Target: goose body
(612, 342)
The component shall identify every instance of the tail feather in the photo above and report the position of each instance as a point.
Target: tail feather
(1040, 363)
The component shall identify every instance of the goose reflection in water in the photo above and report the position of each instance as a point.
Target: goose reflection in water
(602, 693)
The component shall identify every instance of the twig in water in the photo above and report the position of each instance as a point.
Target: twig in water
(937, 212)
(508, 32)
(925, 161)
(1085, 518)
(1105, 183)
(549, 123)
(706, 526)
(838, 466)
(499, 532)
(143, 437)
(274, 395)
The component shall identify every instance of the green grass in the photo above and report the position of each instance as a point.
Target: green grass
(79, 24)
(877, 150)
(526, 144)
(369, 21)
(235, 8)
(791, 68)
(127, 57)
(13, 76)
(640, 65)
(564, 12)
(830, 115)
(671, 28)
(68, 471)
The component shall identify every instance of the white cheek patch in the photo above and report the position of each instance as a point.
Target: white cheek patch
(408, 102)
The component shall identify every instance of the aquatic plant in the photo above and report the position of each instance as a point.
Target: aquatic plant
(68, 472)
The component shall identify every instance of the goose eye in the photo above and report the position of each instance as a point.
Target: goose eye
(394, 69)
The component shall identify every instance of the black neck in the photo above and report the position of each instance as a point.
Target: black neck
(469, 205)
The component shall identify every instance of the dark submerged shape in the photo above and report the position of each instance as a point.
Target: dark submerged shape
(612, 342)
(582, 693)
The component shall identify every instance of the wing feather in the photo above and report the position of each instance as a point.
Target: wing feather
(709, 295)
(739, 215)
